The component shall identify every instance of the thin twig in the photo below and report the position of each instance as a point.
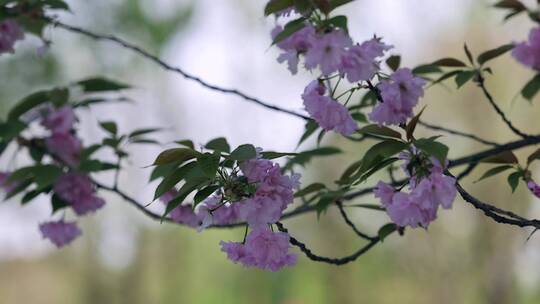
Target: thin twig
(351, 224)
(457, 133)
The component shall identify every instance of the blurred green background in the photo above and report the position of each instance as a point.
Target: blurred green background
(125, 258)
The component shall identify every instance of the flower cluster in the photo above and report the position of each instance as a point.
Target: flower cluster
(263, 248)
(75, 189)
(10, 32)
(399, 95)
(328, 113)
(528, 53)
(429, 189)
(534, 188)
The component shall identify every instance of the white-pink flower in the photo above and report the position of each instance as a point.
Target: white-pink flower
(10, 32)
(60, 233)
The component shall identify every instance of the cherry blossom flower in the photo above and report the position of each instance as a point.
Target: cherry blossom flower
(65, 146)
(328, 113)
(327, 51)
(60, 233)
(10, 32)
(400, 95)
(78, 190)
(360, 61)
(294, 45)
(528, 53)
(534, 188)
(59, 120)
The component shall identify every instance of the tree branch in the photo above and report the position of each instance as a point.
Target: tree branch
(458, 133)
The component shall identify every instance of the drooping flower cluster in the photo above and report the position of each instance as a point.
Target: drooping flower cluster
(62, 142)
(79, 192)
(74, 189)
(429, 189)
(528, 52)
(263, 248)
(60, 233)
(330, 51)
(327, 112)
(399, 95)
(534, 188)
(10, 32)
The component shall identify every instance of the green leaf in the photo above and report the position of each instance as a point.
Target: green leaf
(432, 148)
(275, 6)
(449, 62)
(218, 144)
(140, 132)
(209, 163)
(386, 230)
(289, 29)
(511, 4)
(310, 189)
(393, 62)
(11, 129)
(513, 180)
(378, 166)
(534, 156)
(175, 155)
(274, 155)
(186, 143)
(380, 151)
(94, 165)
(426, 69)
(304, 157)
(339, 22)
(463, 77)
(45, 175)
(494, 171)
(59, 96)
(173, 178)
(494, 53)
(445, 76)
(531, 88)
(505, 157)
(375, 129)
(411, 126)
(163, 170)
(243, 152)
(109, 126)
(58, 203)
(337, 3)
(468, 53)
(29, 196)
(204, 193)
(99, 84)
(310, 128)
(184, 191)
(28, 103)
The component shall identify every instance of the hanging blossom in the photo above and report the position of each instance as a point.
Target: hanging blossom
(294, 45)
(528, 52)
(400, 94)
(360, 62)
(79, 192)
(60, 233)
(263, 249)
(10, 32)
(327, 51)
(428, 190)
(327, 112)
(534, 188)
(62, 142)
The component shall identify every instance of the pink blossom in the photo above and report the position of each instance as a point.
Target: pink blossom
(360, 61)
(261, 210)
(10, 32)
(534, 188)
(59, 120)
(404, 211)
(221, 214)
(60, 233)
(384, 192)
(294, 45)
(65, 146)
(436, 189)
(5, 184)
(328, 113)
(78, 190)
(400, 95)
(182, 214)
(263, 249)
(528, 53)
(327, 51)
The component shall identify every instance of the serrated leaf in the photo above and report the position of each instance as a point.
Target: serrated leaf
(463, 77)
(494, 171)
(411, 126)
(173, 178)
(449, 62)
(219, 144)
(275, 6)
(386, 230)
(379, 152)
(204, 193)
(175, 155)
(99, 84)
(426, 69)
(505, 157)
(393, 62)
(494, 53)
(243, 152)
(209, 163)
(310, 189)
(375, 129)
(186, 143)
(513, 180)
(531, 88)
(109, 126)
